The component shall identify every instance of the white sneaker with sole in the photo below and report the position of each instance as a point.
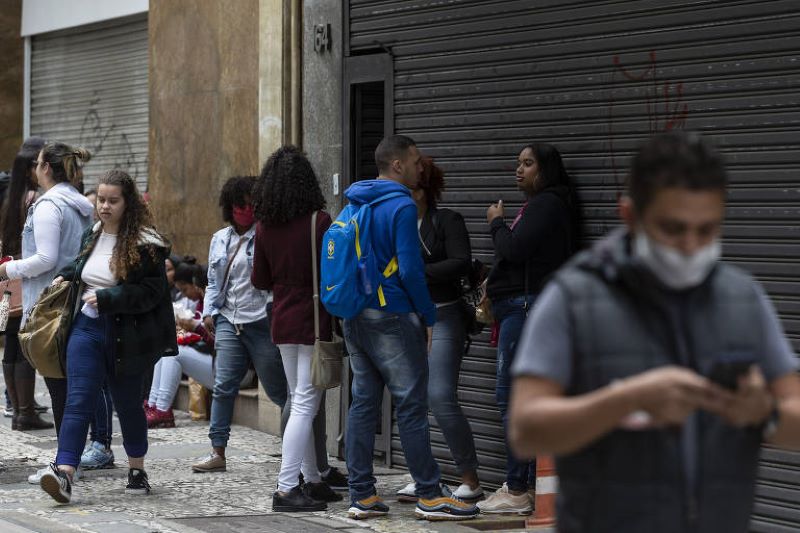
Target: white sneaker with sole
(408, 494)
(464, 492)
(503, 502)
(34, 479)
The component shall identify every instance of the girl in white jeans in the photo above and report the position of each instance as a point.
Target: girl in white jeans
(285, 197)
(194, 360)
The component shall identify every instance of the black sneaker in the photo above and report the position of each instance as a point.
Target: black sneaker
(137, 482)
(321, 492)
(336, 480)
(57, 484)
(295, 501)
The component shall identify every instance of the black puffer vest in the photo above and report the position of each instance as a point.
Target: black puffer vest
(634, 481)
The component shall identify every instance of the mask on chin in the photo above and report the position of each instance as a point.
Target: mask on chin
(674, 269)
(244, 216)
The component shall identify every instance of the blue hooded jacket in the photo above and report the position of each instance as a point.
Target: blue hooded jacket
(394, 233)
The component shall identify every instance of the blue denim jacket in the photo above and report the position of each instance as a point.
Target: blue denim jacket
(76, 213)
(215, 296)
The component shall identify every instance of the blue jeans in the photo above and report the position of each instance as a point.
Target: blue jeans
(236, 346)
(101, 426)
(447, 350)
(90, 363)
(388, 349)
(510, 314)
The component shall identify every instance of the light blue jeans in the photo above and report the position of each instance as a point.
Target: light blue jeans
(235, 350)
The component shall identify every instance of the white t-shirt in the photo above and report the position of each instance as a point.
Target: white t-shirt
(97, 271)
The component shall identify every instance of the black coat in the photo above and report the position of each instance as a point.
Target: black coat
(537, 246)
(447, 253)
(140, 305)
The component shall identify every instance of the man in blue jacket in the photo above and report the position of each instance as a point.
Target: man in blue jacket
(387, 343)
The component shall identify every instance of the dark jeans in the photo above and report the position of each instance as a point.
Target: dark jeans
(510, 314)
(447, 350)
(90, 364)
(388, 349)
(101, 426)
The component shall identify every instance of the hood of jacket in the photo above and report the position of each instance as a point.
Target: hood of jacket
(70, 196)
(147, 237)
(362, 192)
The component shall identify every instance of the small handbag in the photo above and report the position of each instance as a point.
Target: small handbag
(14, 288)
(326, 359)
(43, 338)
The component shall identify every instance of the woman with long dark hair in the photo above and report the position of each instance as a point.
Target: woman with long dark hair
(19, 375)
(287, 196)
(447, 254)
(51, 235)
(125, 324)
(541, 237)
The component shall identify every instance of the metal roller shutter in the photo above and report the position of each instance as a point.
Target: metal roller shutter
(475, 80)
(89, 88)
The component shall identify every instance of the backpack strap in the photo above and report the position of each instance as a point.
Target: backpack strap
(393, 265)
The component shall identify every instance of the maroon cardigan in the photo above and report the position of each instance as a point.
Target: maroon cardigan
(282, 264)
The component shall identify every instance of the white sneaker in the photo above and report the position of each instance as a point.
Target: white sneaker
(34, 479)
(408, 494)
(464, 492)
(503, 502)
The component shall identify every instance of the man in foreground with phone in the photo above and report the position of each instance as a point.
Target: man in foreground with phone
(616, 370)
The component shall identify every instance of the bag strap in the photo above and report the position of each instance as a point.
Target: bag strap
(314, 273)
(230, 263)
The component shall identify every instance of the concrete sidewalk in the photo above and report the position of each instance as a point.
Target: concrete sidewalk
(238, 500)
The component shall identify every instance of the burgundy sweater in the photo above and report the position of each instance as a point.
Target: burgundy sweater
(282, 264)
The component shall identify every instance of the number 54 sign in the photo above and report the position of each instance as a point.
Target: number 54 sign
(322, 38)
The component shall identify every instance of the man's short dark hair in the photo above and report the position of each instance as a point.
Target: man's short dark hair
(674, 159)
(391, 148)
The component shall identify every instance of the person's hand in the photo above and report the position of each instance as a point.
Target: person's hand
(670, 394)
(751, 404)
(92, 300)
(494, 211)
(186, 323)
(57, 281)
(208, 322)
(430, 338)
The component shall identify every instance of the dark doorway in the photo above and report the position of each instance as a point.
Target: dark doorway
(368, 117)
(368, 113)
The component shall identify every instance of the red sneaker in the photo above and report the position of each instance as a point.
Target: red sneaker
(162, 419)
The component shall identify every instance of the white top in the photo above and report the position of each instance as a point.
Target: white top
(97, 271)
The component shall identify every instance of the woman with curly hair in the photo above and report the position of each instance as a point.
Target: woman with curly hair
(235, 312)
(447, 254)
(125, 324)
(286, 197)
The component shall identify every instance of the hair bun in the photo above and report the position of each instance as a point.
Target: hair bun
(189, 259)
(83, 154)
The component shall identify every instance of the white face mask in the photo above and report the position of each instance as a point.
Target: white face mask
(673, 268)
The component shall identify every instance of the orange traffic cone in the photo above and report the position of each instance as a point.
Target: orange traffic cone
(546, 489)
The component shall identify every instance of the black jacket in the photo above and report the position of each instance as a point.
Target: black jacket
(140, 305)
(543, 239)
(446, 252)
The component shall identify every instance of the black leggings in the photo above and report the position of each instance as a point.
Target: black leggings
(12, 353)
(58, 398)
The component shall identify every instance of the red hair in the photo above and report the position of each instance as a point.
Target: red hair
(431, 181)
